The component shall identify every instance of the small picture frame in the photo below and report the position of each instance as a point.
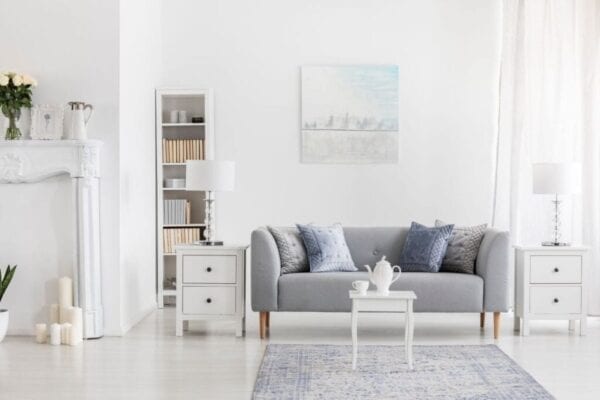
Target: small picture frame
(47, 122)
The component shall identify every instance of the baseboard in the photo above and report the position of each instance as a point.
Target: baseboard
(19, 332)
(139, 317)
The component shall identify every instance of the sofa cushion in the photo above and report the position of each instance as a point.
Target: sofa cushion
(424, 248)
(328, 292)
(368, 245)
(463, 247)
(326, 248)
(291, 249)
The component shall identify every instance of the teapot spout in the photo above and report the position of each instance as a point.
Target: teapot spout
(370, 273)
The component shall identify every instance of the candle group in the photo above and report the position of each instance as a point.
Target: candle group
(66, 321)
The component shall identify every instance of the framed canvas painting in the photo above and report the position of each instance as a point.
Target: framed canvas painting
(350, 114)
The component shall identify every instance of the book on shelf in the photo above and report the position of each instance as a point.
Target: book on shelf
(175, 236)
(180, 150)
(177, 212)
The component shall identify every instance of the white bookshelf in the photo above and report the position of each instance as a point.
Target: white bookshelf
(196, 103)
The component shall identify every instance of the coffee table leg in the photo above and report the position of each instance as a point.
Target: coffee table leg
(354, 334)
(410, 326)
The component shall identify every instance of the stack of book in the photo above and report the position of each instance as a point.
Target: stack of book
(180, 150)
(176, 212)
(174, 236)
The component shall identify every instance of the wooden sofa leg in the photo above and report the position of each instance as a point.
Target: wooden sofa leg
(496, 324)
(262, 325)
(268, 319)
(482, 320)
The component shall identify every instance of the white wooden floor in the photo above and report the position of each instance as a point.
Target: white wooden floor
(211, 363)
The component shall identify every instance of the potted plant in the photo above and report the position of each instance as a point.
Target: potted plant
(4, 282)
(15, 93)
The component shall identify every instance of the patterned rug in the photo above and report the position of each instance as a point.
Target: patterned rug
(294, 371)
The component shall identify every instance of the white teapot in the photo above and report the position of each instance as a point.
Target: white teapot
(382, 275)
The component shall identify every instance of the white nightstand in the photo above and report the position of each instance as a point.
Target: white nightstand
(210, 285)
(550, 284)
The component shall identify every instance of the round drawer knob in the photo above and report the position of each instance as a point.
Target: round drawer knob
(556, 269)
(209, 300)
(209, 269)
(555, 300)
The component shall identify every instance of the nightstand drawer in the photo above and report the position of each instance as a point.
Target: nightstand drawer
(209, 300)
(555, 269)
(555, 300)
(209, 269)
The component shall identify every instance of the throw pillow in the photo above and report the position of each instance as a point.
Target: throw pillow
(291, 249)
(326, 248)
(424, 248)
(463, 247)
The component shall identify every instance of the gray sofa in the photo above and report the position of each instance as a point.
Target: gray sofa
(488, 290)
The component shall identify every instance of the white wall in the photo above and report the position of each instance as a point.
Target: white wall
(140, 63)
(251, 52)
(72, 49)
(106, 53)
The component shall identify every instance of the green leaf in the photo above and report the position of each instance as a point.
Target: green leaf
(8, 275)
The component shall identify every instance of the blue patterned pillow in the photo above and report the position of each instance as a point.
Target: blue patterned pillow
(326, 248)
(425, 248)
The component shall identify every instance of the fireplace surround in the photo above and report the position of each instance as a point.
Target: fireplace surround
(31, 161)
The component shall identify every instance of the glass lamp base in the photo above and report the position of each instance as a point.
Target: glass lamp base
(209, 243)
(555, 244)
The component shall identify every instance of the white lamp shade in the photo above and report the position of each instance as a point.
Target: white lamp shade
(211, 175)
(556, 178)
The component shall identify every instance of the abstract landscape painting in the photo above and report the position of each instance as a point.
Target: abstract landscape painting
(350, 114)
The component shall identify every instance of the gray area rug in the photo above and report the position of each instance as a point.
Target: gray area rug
(295, 371)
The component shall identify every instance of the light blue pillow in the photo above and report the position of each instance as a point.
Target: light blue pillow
(425, 248)
(326, 248)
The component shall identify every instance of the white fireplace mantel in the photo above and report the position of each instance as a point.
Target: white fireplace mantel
(29, 161)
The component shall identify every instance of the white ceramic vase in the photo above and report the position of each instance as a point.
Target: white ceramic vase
(3, 323)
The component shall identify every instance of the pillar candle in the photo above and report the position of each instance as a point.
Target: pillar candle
(41, 331)
(77, 326)
(54, 314)
(64, 314)
(65, 292)
(55, 334)
(65, 333)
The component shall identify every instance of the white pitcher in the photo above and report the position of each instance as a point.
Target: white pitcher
(382, 276)
(79, 120)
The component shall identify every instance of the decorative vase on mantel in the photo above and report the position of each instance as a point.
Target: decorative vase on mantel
(12, 132)
(15, 93)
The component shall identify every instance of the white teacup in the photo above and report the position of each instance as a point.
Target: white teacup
(361, 286)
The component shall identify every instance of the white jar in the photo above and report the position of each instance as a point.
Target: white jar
(174, 117)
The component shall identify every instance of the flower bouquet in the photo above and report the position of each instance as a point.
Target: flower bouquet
(15, 93)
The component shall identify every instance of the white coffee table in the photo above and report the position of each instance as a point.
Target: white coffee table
(396, 301)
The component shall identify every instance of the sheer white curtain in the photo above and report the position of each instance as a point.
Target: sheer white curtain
(549, 111)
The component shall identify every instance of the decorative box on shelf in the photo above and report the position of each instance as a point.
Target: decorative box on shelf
(551, 284)
(210, 285)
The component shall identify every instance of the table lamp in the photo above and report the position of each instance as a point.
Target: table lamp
(209, 176)
(557, 179)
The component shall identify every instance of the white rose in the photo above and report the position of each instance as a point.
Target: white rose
(17, 80)
(29, 80)
(3, 80)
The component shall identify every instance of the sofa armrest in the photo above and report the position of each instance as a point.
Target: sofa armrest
(265, 270)
(495, 267)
